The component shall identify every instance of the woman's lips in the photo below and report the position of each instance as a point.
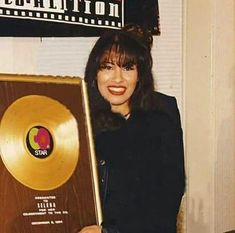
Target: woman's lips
(117, 90)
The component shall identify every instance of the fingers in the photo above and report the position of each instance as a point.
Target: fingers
(91, 229)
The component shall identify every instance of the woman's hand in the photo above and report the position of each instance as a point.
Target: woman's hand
(91, 229)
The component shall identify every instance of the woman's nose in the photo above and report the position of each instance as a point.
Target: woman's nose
(118, 75)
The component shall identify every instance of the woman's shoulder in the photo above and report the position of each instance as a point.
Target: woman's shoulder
(168, 106)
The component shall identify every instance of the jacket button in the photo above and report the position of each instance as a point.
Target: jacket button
(102, 162)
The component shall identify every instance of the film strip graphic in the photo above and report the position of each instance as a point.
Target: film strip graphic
(105, 18)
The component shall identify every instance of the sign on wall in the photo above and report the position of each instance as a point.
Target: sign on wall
(74, 17)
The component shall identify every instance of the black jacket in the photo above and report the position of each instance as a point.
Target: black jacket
(142, 171)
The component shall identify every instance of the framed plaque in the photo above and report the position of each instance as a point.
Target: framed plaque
(48, 176)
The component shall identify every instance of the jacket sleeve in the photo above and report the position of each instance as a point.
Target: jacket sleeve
(173, 173)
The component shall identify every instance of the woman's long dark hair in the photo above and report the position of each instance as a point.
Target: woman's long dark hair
(127, 48)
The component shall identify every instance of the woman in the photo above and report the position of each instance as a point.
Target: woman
(138, 143)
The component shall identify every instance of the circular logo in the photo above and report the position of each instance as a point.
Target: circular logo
(39, 142)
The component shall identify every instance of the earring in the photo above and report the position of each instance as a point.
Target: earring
(93, 84)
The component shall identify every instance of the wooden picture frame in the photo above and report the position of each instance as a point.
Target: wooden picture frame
(57, 193)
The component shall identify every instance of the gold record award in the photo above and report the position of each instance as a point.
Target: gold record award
(48, 176)
(39, 139)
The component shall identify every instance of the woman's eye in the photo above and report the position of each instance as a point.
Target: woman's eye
(128, 67)
(106, 66)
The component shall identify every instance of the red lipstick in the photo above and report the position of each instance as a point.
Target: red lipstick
(117, 89)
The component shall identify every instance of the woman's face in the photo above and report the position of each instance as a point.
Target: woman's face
(117, 82)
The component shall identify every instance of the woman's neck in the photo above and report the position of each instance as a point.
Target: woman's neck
(122, 109)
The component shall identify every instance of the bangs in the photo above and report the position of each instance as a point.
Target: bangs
(121, 52)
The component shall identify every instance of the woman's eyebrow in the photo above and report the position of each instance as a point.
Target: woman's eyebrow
(128, 63)
(107, 61)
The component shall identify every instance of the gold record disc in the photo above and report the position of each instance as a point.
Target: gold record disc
(39, 142)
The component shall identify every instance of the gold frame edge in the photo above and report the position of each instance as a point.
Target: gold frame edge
(93, 157)
(40, 78)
